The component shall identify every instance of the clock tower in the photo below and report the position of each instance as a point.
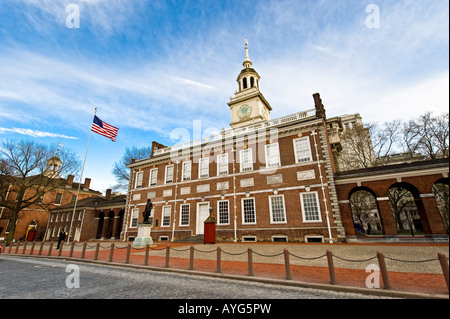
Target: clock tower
(248, 106)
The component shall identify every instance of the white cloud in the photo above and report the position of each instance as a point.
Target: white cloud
(34, 133)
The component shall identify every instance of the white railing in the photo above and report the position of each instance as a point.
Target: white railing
(228, 133)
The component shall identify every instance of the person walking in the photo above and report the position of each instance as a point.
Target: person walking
(62, 236)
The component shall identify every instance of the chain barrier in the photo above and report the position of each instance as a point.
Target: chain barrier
(355, 261)
(307, 258)
(80, 244)
(263, 255)
(411, 261)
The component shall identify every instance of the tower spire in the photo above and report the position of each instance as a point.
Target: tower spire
(247, 63)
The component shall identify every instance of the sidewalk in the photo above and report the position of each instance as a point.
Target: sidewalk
(412, 267)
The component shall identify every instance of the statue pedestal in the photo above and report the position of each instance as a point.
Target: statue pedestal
(143, 238)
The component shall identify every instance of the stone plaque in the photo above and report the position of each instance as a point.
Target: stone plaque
(304, 175)
(275, 179)
(167, 193)
(185, 190)
(151, 195)
(222, 185)
(203, 188)
(248, 182)
(136, 196)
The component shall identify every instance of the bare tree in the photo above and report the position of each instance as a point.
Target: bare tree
(120, 169)
(428, 135)
(23, 169)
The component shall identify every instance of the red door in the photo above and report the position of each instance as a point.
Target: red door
(31, 235)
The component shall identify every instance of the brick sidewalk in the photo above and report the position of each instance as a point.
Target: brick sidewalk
(431, 282)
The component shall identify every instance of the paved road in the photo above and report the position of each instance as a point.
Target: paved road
(42, 278)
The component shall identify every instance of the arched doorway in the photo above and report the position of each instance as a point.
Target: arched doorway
(109, 229)
(441, 195)
(365, 214)
(101, 219)
(407, 209)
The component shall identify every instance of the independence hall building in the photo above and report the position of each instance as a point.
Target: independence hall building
(262, 179)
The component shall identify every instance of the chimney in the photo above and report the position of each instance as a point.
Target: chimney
(69, 181)
(320, 110)
(108, 194)
(87, 183)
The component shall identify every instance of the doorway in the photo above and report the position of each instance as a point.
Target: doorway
(202, 215)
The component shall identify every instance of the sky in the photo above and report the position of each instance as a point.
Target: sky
(153, 68)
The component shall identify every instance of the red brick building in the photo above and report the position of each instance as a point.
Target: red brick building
(32, 221)
(99, 217)
(262, 180)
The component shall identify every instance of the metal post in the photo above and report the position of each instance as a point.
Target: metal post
(384, 272)
(61, 246)
(127, 259)
(444, 266)
(111, 252)
(72, 246)
(191, 258)
(40, 248)
(250, 262)
(97, 247)
(219, 260)
(167, 256)
(17, 247)
(147, 248)
(331, 267)
(50, 249)
(83, 251)
(24, 247)
(32, 248)
(287, 265)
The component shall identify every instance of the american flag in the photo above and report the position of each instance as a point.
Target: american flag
(104, 129)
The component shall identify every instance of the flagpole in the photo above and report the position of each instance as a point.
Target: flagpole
(79, 184)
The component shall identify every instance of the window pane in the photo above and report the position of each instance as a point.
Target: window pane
(224, 216)
(184, 219)
(249, 211)
(153, 176)
(311, 209)
(139, 176)
(277, 206)
(166, 216)
(303, 151)
(222, 164)
(169, 174)
(204, 167)
(246, 160)
(186, 171)
(272, 154)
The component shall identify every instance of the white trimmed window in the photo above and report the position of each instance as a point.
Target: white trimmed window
(58, 199)
(203, 167)
(223, 212)
(302, 150)
(248, 211)
(246, 160)
(166, 216)
(277, 209)
(272, 155)
(169, 174)
(134, 218)
(139, 176)
(184, 214)
(310, 207)
(153, 176)
(222, 164)
(187, 171)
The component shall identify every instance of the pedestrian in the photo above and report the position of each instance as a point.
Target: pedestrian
(62, 236)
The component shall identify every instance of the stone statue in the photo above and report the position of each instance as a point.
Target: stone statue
(147, 211)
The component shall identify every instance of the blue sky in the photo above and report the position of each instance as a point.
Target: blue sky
(152, 67)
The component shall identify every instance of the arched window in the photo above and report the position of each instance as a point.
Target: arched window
(252, 82)
(244, 83)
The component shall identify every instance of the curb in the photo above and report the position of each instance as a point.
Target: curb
(291, 283)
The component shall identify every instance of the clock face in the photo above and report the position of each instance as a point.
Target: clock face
(244, 111)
